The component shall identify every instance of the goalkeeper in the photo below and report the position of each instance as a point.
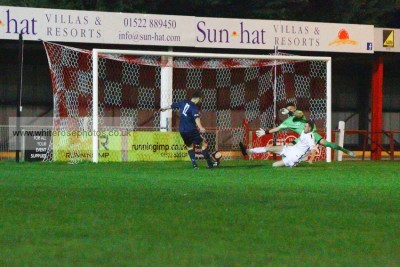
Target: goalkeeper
(291, 154)
(295, 122)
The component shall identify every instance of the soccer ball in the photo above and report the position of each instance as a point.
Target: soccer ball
(217, 156)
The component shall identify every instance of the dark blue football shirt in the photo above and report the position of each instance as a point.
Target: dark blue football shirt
(189, 112)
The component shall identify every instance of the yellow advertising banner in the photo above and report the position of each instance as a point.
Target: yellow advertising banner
(70, 146)
(110, 146)
(156, 146)
(117, 146)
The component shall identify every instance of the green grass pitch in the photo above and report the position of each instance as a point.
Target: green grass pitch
(166, 214)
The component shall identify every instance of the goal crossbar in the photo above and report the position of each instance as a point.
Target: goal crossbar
(209, 55)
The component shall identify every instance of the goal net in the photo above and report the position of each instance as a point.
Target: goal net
(105, 101)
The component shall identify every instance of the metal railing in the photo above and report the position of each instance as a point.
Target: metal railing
(389, 148)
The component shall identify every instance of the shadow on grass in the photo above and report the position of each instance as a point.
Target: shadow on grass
(243, 166)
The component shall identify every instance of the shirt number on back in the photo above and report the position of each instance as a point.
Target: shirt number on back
(185, 109)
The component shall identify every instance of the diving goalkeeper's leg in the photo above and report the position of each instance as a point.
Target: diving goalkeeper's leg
(323, 142)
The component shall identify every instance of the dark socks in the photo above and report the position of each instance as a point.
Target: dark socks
(192, 156)
(206, 155)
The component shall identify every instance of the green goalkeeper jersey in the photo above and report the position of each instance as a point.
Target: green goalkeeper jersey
(297, 125)
(293, 123)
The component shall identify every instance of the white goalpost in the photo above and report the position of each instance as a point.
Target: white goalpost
(131, 86)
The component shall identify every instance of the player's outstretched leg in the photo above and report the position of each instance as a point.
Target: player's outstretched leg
(256, 150)
(193, 158)
(243, 149)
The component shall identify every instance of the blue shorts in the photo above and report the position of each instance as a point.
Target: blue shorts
(191, 138)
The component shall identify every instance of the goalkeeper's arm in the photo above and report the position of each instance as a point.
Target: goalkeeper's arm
(297, 113)
(262, 132)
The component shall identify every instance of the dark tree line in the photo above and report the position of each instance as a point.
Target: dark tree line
(381, 13)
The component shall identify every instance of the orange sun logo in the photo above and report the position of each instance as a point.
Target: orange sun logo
(343, 38)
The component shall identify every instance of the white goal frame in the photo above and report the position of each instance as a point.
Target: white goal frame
(168, 80)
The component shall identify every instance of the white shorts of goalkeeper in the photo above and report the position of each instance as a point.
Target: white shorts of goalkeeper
(292, 157)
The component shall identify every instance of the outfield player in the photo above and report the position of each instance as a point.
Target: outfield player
(291, 154)
(295, 122)
(188, 124)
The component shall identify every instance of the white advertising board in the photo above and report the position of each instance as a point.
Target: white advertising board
(286, 35)
(61, 25)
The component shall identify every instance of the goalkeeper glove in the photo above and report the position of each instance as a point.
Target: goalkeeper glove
(284, 111)
(262, 132)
